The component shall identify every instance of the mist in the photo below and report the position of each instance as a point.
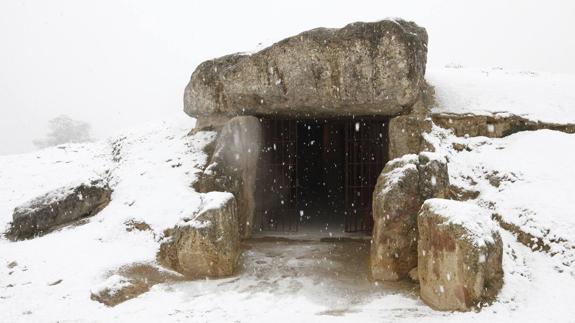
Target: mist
(115, 64)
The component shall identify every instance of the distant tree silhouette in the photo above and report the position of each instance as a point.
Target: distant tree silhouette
(64, 129)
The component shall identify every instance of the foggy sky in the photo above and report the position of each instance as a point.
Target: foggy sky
(116, 63)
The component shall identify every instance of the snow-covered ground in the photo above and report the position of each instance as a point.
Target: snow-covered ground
(536, 96)
(528, 178)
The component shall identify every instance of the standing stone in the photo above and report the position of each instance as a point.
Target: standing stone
(400, 190)
(433, 176)
(459, 255)
(208, 244)
(406, 135)
(373, 68)
(395, 205)
(233, 165)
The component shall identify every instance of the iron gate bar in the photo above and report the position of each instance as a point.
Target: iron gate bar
(365, 155)
(278, 157)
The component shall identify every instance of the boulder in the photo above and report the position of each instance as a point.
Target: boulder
(58, 208)
(433, 176)
(407, 132)
(207, 244)
(118, 289)
(396, 202)
(233, 164)
(401, 188)
(361, 69)
(459, 255)
(131, 281)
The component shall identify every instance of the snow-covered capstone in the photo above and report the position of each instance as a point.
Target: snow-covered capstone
(459, 255)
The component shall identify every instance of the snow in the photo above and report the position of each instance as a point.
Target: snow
(215, 200)
(152, 168)
(112, 285)
(476, 220)
(536, 96)
(536, 182)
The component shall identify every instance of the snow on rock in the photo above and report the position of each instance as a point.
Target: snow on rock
(459, 255)
(57, 208)
(536, 96)
(208, 245)
(151, 170)
(477, 221)
(112, 285)
(26, 176)
(526, 179)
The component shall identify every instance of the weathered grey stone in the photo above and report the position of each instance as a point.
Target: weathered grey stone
(58, 208)
(362, 69)
(494, 125)
(406, 135)
(401, 188)
(208, 245)
(459, 255)
(233, 165)
(131, 281)
(433, 176)
(396, 201)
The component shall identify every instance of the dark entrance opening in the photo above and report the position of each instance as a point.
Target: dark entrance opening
(319, 175)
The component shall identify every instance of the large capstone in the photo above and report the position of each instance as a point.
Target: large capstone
(459, 255)
(361, 69)
(233, 165)
(208, 243)
(58, 208)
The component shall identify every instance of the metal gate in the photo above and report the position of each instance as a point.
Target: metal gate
(365, 156)
(277, 183)
(277, 177)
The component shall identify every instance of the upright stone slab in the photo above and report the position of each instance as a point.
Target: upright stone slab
(401, 188)
(395, 205)
(207, 244)
(233, 165)
(459, 255)
(433, 176)
(361, 69)
(406, 135)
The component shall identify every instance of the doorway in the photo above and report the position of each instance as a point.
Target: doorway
(319, 175)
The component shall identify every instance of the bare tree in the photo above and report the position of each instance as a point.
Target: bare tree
(64, 129)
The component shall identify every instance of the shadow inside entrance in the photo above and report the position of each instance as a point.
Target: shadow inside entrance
(317, 176)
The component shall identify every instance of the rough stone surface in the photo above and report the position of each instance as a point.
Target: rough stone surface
(433, 176)
(396, 201)
(406, 135)
(493, 126)
(131, 281)
(414, 274)
(58, 208)
(459, 266)
(207, 245)
(361, 69)
(401, 188)
(233, 165)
